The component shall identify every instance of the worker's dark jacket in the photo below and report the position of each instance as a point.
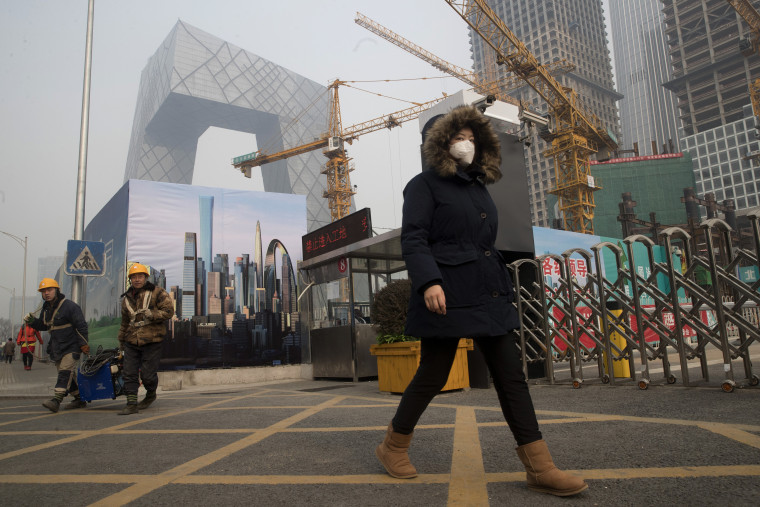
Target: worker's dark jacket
(64, 320)
(135, 327)
(447, 236)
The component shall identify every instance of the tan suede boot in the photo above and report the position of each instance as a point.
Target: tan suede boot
(392, 454)
(543, 476)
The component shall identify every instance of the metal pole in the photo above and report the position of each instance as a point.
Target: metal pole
(13, 304)
(23, 287)
(23, 244)
(76, 286)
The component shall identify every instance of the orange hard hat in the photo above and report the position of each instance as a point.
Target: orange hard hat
(138, 268)
(47, 283)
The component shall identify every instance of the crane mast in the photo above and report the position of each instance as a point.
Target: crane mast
(575, 136)
(338, 168)
(752, 17)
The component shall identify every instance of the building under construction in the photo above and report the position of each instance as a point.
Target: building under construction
(574, 31)
(713, 65)
(711, 74)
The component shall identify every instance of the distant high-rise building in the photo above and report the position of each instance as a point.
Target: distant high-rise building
(176, 294)
(221, 265)
(196, 80)
(240, 283)
(189, 273)
(206, 213)
(710, 73)
(206, 208)
(288, 284)
(257, 258)
(47, 267)
(553, 31)
(648, 111)
(161, 278)
(200, 288)
(711, 77)
(215, 291)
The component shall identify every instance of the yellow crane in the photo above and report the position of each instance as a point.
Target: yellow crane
(490, 86)
(338, 167)
(752, 17)
(576, 134)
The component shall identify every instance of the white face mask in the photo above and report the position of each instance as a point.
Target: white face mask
(463, 152)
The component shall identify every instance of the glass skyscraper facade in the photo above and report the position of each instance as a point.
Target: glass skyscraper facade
(206, 208)
(721, 165)
(648, 111)
(195, 81)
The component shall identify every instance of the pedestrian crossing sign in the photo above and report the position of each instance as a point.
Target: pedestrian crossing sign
(85, 258)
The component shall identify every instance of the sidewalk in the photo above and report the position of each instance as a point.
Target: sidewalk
(17, 382)
(308, 442)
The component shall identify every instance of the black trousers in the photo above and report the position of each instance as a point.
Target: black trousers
(28, 358)
(141, 362)
(503, 359)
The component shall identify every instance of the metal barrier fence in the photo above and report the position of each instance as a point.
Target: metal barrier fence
(603, 323)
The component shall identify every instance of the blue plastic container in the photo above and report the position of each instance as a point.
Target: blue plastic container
(98, 386)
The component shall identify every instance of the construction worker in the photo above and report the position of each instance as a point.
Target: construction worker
(27, 339)
(145, 309)
(64, 320)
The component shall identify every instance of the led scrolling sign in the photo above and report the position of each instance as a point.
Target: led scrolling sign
(347, 230)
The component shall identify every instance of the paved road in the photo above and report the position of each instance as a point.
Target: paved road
(311, 443)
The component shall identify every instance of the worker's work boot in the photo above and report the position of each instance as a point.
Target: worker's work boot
(543, 476)
(130, 408)
(52, 404)
(75, 403)
(150, 397)
(392, 454)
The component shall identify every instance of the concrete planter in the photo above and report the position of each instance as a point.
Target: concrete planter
(397, 363)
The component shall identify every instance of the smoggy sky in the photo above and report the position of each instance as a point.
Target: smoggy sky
(42, 46)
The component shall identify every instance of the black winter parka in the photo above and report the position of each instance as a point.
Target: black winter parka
(448, 231)
(68, 328)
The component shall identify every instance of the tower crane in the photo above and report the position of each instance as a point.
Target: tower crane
(752, 17)
(338, 167)
(576, 134)
(490, 86)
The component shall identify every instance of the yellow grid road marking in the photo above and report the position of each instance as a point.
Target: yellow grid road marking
(468, 474)
(492, 477)
(111, 429)
(467, 481)
(154, 482)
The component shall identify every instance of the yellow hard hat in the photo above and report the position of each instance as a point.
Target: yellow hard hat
(47, 283)
(138, 268)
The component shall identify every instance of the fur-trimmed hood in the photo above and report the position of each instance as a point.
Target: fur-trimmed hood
(435, 147)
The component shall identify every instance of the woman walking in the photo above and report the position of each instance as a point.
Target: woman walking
(461, 288)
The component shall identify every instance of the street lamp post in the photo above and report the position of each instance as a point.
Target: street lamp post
(13, 304)
(77, 282)
(23, 244)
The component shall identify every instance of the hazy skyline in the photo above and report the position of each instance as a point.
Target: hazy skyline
(42, 71)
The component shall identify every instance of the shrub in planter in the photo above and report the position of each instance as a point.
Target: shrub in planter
(389, 310)
(397, 361)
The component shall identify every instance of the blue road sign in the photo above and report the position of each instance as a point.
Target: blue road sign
(85, 258)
